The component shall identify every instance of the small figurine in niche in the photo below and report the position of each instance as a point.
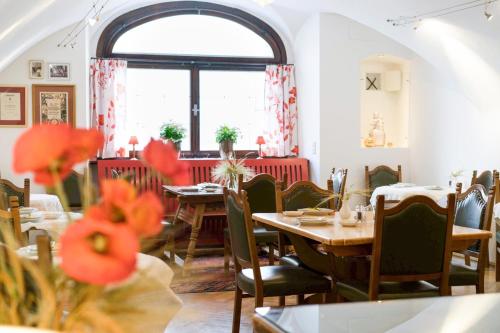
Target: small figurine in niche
(376, 136)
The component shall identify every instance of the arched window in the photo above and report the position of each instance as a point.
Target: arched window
(198, 64)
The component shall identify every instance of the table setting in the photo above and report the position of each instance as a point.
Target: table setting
(53, 222)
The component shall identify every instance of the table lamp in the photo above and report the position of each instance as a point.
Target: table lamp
(260, 142)
(133, 141)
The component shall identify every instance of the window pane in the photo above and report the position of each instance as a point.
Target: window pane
(231, 98)
(193, 35)
(156, 96)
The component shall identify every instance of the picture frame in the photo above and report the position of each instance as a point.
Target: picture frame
(58, 71)
(36, 69)
(13, 102)
(53, 104)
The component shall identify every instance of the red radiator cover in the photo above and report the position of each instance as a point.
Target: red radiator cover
(200, 171)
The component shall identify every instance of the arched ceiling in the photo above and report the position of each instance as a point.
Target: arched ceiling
(463, 45)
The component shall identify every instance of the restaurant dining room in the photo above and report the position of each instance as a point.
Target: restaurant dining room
(267, 166)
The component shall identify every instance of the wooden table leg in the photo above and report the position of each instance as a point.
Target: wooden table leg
(171, 238)
(195, 230)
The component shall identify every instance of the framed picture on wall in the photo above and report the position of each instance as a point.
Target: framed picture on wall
(13, 101)
(36, 69)
(53, 104)
(58, 71)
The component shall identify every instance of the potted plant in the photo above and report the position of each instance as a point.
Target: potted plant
(226, 136)
(173, 132)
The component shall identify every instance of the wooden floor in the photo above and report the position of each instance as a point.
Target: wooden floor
(212, 312)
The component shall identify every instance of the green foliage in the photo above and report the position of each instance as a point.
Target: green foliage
(226, 133)
(173, 132)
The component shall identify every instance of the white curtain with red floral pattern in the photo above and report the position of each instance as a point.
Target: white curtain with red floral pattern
(108, 82)
(280, 107)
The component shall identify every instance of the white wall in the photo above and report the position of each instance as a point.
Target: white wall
(343, 45)
(307, 66)
(17, 74)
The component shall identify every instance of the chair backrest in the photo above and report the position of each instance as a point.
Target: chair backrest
(474, 209)
(12, 219)
(338, 180)
(23, 193)
(303, 194)
(412, 242)
(72, 185)
(382, 176)
(260, 192)
(486, 178)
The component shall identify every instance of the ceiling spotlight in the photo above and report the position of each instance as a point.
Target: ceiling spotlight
(92, 21)
(487, 13)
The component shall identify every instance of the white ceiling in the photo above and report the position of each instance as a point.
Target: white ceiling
(457, 44)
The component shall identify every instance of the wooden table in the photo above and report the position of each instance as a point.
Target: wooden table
(344, 241)
(192, 207)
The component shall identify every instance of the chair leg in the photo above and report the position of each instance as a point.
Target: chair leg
(259, 301)
(281, 245)
(170, 247)
(282, 301)
(300, 299)
(271, 254)
(238, 295)
(227, 254)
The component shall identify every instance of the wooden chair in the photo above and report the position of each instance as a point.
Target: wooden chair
(253, 280)
(474, 209)
(72, 185)
(13, 219)
(486, 178)
(23, 193)
(411, 245)
(381, 176)
(497, 236)
(339, 179)
(303, 194)
(262, 199)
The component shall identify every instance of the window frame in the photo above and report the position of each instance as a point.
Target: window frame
(143, 15)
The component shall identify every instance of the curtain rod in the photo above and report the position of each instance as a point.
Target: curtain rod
(96, 58)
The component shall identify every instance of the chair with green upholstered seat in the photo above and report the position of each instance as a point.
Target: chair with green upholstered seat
(474, 209)
(262, 199)
(303, 194)
(22, 193)
(486, 178)
(253, 280)
(411, 246)
(338, 178)
(381, 176)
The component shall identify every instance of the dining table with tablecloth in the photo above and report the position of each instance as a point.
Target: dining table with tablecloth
(46, 202)
(401, 191)
(53, 226)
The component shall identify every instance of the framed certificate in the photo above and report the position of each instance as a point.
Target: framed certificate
(12, 106)
(53, 104)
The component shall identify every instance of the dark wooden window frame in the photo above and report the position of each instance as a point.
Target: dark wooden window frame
(146, 14)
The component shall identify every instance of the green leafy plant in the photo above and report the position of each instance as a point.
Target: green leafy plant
(173, 132)
(226, 133)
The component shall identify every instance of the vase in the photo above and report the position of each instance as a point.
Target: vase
(379, 137)
(226, 150)
(345, 210)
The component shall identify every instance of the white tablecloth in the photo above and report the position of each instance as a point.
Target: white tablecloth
(46, 202)
(496, 211)
(54, 227)
(395, 192)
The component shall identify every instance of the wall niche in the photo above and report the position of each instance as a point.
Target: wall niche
(385, 102)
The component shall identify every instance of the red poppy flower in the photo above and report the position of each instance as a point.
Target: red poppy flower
(163, 158)
(117, 192)
(97, 252)
(145, 215)
(44, 149)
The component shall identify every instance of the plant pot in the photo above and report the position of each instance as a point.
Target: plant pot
(226, 150)
(177, 146)
(345, 211)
